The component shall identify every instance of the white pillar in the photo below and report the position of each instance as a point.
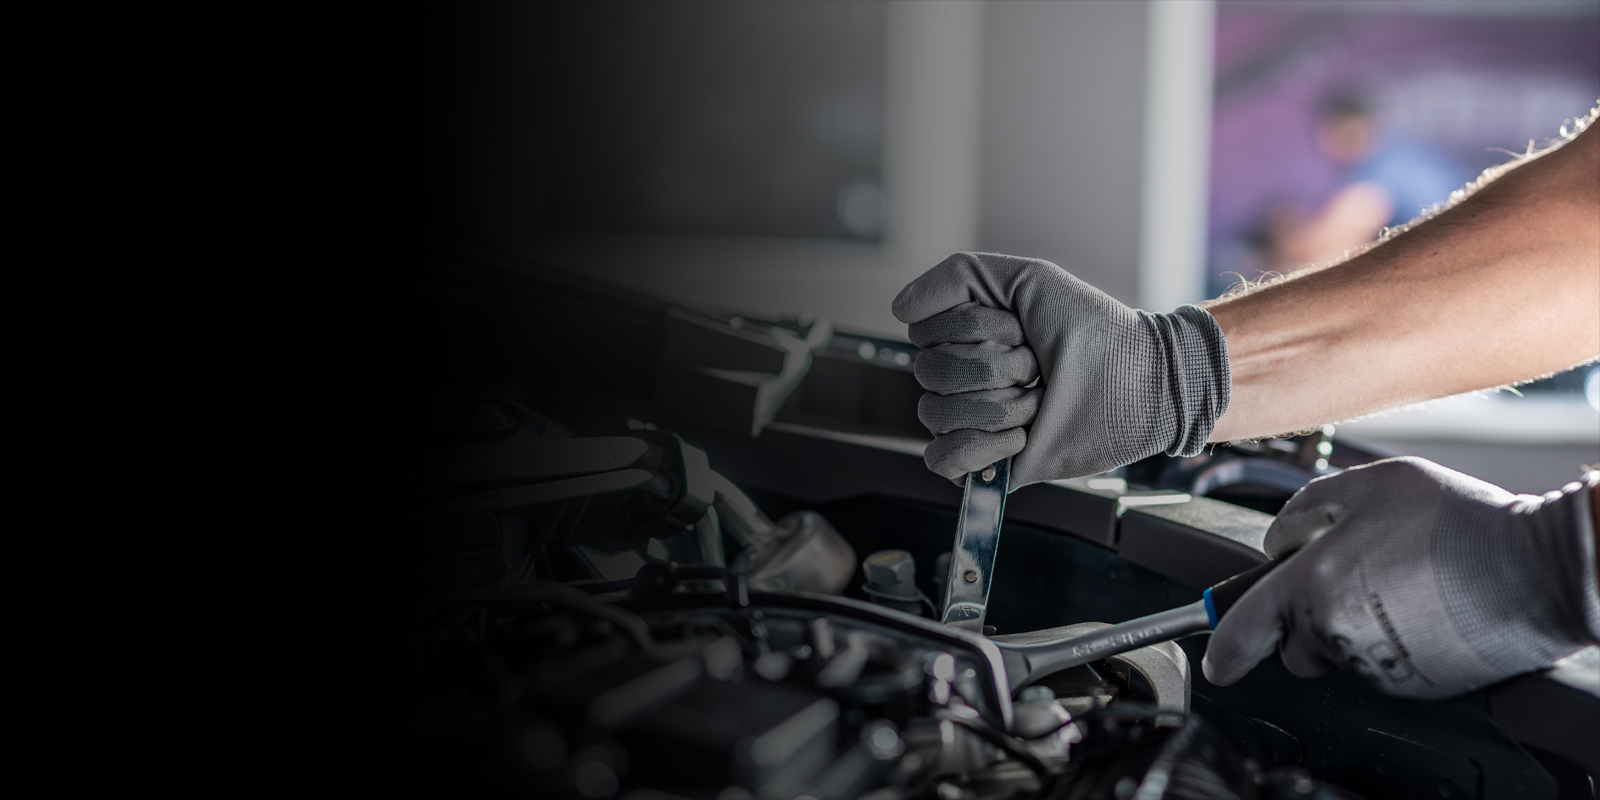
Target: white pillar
(1177, 153)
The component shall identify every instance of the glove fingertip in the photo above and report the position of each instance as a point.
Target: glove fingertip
(927, 296)
(954, 454)
(1245, 636)
(1295, 528)
(1217, 675)
(944, 468)
(907, 305)
(941, 461)
(902, 307)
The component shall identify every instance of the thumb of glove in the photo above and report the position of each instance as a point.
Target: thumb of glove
(1248, 633)
(1254, 628)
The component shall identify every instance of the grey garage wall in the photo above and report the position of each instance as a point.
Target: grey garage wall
(1010, 125)
(1063, 111)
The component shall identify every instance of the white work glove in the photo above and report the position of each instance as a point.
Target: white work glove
(1115, 384)
(1426, 582)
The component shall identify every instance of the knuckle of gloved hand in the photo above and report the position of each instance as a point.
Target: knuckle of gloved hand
(945, 459)
(1297, 527)
(1021, 366)
(1388, 474)
(1000, 264)
(945, 370)
(964, 259)
(957, 368)
(942, 328)
(945, 413)
(976, 414)
(991, 411)
(1025, 405)
(1013, 409)
(967, 323)
(998, 326)
(955, 454)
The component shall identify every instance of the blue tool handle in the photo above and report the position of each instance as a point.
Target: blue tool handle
(1221, 597)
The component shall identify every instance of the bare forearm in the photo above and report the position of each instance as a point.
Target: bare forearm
(1503, 287)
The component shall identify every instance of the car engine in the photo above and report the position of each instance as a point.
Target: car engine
(654, 552)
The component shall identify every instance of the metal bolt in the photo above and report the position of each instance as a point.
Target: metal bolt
(988, 474)
(889, 568)
(971, 575)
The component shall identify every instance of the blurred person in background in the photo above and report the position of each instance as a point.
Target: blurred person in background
(1387, 180)
(1427, 582)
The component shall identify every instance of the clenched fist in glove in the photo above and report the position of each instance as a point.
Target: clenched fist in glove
(1426, 582)
(1022, 359)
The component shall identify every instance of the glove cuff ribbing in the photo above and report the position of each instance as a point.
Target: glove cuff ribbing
(1197, 361)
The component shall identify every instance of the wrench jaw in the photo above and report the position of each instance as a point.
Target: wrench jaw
(966, 598)
(966, 616)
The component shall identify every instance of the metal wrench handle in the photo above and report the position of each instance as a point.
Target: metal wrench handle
(1044, 658)
(966, 587)
(1026, 663)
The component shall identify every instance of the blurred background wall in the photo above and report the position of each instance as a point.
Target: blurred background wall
(849, 145)
(784, 156)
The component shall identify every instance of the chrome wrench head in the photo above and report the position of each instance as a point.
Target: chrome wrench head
(966, 588)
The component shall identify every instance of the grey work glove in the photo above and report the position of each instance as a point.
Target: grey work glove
(1426, 582)
(1115, 384)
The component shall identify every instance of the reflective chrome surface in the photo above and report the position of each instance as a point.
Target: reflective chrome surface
(966, 597)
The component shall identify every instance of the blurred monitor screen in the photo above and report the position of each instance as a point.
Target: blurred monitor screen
(1335, 120)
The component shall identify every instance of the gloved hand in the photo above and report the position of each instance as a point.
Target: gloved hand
(1426, 582)
(1115, 384)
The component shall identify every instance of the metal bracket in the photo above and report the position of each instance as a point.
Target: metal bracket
(966, 588)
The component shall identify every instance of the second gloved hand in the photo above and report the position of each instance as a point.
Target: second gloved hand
(1426, 582)
(1022, 359)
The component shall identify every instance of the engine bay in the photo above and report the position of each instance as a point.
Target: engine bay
(697, 555)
